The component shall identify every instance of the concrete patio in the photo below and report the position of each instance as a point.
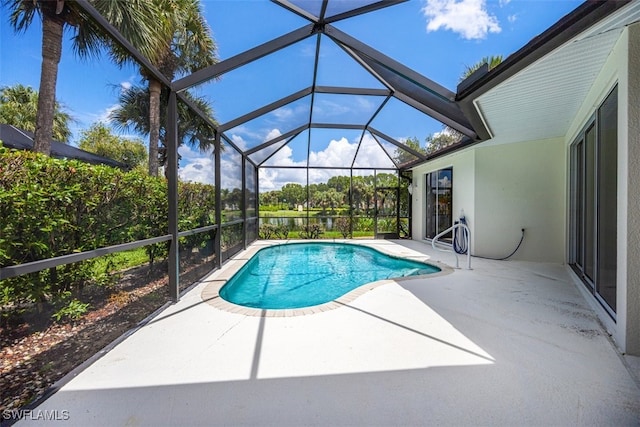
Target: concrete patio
(507, 343)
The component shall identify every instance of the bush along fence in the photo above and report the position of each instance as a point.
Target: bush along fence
(51, 207)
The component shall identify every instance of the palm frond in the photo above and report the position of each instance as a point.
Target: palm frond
(21, 13)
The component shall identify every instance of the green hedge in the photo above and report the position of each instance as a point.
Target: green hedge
(51, 207)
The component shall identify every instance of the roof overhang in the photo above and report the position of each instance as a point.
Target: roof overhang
(537, 91)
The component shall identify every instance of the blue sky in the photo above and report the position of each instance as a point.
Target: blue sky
(437, 38)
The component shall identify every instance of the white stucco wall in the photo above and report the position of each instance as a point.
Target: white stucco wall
(519, 186)
(503, 189)
(630, 293)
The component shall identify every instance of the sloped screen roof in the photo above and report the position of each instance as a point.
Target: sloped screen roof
(307, 108)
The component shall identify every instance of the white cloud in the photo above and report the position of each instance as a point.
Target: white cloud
(188, 153)
(512, 18)
(106, 113)
(327, 108)
(199, 167)
(196, 166)
(365, 104)
(239, 141)
(273, 133)
(245, 138)
(200, 170)
(338, 153)
(245, 132)
(371, 155)
(274, 179)
(231, 168)
(469, 18)
(283, 113)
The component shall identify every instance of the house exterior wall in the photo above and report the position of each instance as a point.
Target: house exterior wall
(503, 189)
(631, 292)
(463, 164)
(622, 68)
(521, 186)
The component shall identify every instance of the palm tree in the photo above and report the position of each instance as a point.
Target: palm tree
(19, 107)
(134, 19)
(133, 114)
(188, 47)
(492, 60)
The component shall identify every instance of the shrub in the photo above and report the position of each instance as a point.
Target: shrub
(343, 225)
(72, 310)
(282, 231)
(231, 236)
(266, 231)
(311, 231)
(51, 207)
(363, 224)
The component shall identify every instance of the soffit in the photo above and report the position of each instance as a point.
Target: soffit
(541, 101)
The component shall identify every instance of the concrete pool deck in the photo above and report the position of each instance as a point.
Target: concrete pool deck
(507, 343)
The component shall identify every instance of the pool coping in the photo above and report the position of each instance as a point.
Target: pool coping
(216, 280)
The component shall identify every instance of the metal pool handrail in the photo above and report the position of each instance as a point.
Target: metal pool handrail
(467, 238)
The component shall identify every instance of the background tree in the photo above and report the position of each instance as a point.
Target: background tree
(270, 198)
(493, 61)
(100, 140)
(334, 198)
(294, 194)
(133, 114)
(136, 20)
(339, 183)
(328, 198)
(19, 107)
(449, 135)
(386, 180)
(363, 192)
(440, 140)
(188, 46)
(320, 199)
(403, 156)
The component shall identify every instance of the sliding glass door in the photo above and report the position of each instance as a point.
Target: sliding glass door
(593, 244)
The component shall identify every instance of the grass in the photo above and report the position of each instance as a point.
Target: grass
(338, 235)
(302, 214)
(122, 260)
(287, 214)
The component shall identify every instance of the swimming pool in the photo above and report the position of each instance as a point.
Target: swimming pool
(296, 275)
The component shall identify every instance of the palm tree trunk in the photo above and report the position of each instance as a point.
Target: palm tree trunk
(51, 52)
(154, 125)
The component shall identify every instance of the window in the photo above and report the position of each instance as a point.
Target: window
(593, 217)
(439, 199)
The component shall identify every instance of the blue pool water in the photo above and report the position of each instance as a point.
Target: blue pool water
(304, 274)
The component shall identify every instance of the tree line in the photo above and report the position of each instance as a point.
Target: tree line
(338, 191)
